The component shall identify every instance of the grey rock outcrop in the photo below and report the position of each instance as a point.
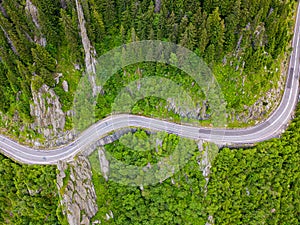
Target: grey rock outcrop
(65, 86)
(3, 11)
(10, 41)
(78, 197)
(104, 163)
(107, 140)
(208, 153)
(210, 220)
(49, 119)
(63, 4)
(32, 10)
(264, 105)
(89, 50)
(46, 109)
(157, 6)
(196, 112)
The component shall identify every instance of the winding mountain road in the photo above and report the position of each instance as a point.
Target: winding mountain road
(270, 128)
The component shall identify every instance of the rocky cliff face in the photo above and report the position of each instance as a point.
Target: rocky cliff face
(157, 5)
(89, 50)
(33, 12)
(198, 112)
(46, 109)
(208, 152)
(49, 119)
(264, 105)
(78, 197)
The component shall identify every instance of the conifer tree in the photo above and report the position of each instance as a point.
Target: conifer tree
(188, 38)
(215, 30)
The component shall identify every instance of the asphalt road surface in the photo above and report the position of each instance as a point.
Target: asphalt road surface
(270, 128)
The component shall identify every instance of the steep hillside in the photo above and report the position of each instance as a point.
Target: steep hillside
(46, 46)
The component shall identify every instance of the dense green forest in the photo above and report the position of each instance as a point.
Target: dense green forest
(246, 53)
(177, 200)
(244, 42)
(28, 194)
(257, 185)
